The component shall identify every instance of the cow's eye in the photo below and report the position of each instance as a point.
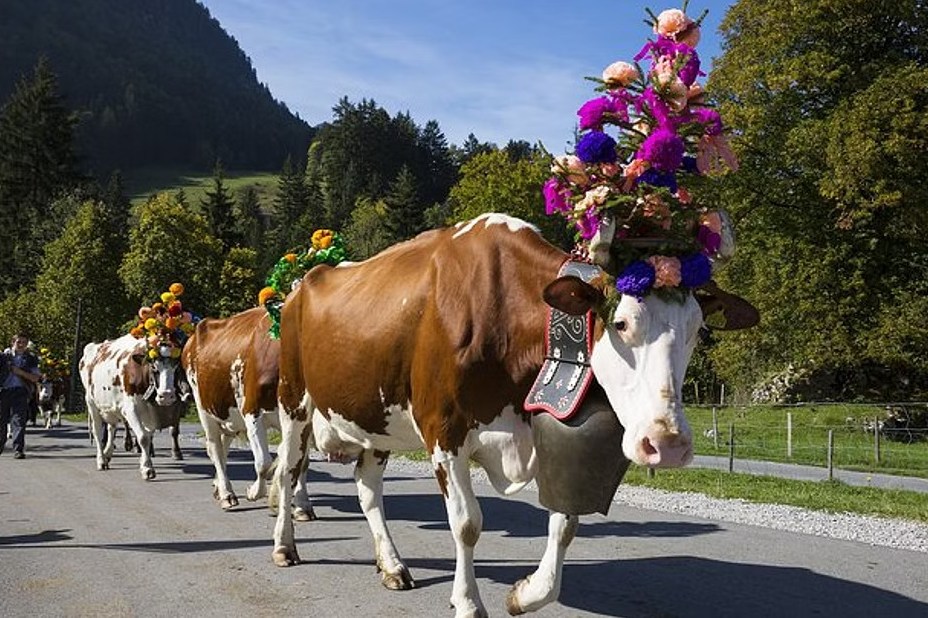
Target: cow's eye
(621, 325)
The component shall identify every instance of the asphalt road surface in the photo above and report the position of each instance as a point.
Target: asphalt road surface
(78, 542)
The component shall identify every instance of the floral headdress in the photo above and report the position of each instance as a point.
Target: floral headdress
(51, 367)
(326, 247)
(165, 325)
(642, 181)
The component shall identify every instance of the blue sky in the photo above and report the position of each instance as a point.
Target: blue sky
(500, 69)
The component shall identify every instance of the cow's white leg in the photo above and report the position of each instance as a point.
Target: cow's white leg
(96, 431)
(110, 444)
(466, 521)
(143, 436)
(368, 474)
(302, 508)
(215, 448)
(544, 585)
(257, 439)
(295, 432)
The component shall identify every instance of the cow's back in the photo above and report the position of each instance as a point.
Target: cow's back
(450, 322)
(103, 374)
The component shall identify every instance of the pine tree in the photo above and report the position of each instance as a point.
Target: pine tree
(218, 208)
(117, 206)
(37, 163)
(404, 211)
(250, 222)
(289, 206)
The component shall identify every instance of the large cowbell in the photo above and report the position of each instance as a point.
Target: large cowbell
(580, 460)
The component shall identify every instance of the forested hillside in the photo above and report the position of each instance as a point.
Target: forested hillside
(154, 82)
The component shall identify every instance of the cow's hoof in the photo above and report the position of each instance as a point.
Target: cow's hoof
(231, 501)
(401, 580)
(177, 456)
(512, 599)
(285, 557)
(473, 612)
(149, 475)
(301, 514)
(256, 493)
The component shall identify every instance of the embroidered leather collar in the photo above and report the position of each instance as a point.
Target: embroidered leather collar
(565, 375)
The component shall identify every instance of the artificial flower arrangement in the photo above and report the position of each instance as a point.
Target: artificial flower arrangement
(51, 367)
(642, 180)
(165, 325)
(326, 247)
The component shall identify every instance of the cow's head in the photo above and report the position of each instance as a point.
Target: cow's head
(165, 379)
(640, 353)
(46, 390)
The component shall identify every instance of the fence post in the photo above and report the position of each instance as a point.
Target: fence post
(876, 439)
(722, 398)
(831, 452)
(650, 472)
(731, 447)
(715, 427)
(789, 435)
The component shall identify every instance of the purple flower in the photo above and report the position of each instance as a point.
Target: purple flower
(690, 70)
(689, 165)
(588, 225)
(636, 279)
(596, 147)
(555, 196)
(592, 112)
(663, 149)
(711, 241)
(659, 179)
(709, 118)
(695, 270)
(658, 108)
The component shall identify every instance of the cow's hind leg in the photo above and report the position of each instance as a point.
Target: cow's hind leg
(466, 521)
(96, 432)
(257, 440)
(544, 585)
(368, 474)
(295, 430)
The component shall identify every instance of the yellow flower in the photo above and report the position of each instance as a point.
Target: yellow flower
(177, 289)
(322, 239)
(151, 324)
(167, 298)
(266, 294)
(153, 353)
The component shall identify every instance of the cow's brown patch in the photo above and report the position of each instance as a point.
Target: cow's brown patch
(453, 326)
(213, 349)
(442, 476)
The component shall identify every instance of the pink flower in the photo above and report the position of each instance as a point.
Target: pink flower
(573, 167)
(712, 220)
(632, 172)
(620, 74)
(690, 34)
(683, 196)
(666, 271)
(657, 209)
(670, 22)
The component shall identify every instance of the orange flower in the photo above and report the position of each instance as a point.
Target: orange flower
(172, 323)
(136, 332)
(266, 294)
(322, 239)
(290, 257)
(177, 289)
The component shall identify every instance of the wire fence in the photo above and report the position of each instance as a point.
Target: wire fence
(887, 437)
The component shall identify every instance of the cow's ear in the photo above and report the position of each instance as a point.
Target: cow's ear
(724, 311)
(572, 295)
(138, 358)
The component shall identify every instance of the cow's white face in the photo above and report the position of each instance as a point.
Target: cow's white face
(640, 361)
(46, 391)
(163, 370)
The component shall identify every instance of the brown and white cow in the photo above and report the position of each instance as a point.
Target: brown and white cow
(436, 342)
(122, 384)
(232, 366)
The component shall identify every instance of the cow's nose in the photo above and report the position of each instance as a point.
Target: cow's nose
(660, 448)
(164, 399)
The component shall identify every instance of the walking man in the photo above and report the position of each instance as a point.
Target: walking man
(15, 394)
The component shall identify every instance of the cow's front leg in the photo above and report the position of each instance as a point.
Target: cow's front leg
(96, 433)
(144, 439)
(295, 429)
(544, 585)
(176, 453)
(466, 521)
(217, 450)
(368, 474)
(257, 440)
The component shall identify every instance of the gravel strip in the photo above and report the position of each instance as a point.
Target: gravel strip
(896, 533)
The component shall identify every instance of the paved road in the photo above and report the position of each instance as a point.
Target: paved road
(77, 542)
